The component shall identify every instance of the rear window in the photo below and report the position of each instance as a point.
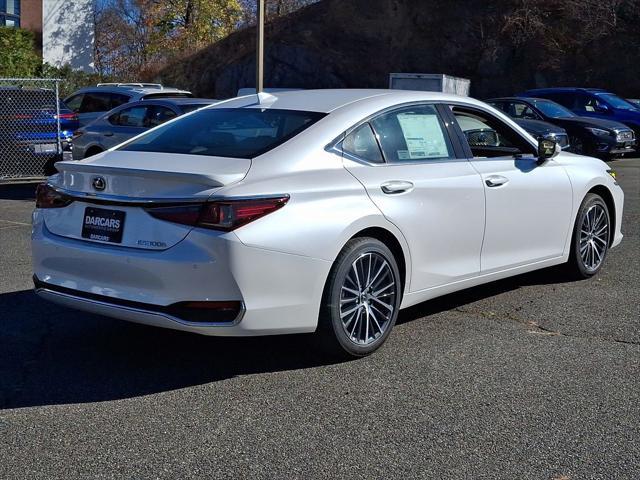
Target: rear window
(226, 132)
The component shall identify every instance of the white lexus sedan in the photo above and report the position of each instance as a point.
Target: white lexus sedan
(325, 211)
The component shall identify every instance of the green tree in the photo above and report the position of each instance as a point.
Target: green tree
(184, 26)
(18, 57)
(136, 38)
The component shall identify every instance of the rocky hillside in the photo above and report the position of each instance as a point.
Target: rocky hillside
(503, 46)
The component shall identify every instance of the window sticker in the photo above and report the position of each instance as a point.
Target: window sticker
(423, 136)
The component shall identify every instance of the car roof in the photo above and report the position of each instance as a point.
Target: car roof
(166, 101)
(522, 99)
(126, 89)
(328, 100)
(569, 89)
(181, 100)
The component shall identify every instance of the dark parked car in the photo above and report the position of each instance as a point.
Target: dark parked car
(592, 102)
(91, 102)
(29, 133)
(589, 136)
(540, 129)
(129, 120)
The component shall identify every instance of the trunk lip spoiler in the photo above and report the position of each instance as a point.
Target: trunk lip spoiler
(110, 199)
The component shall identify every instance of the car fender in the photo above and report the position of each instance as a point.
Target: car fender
(585, 174)
(326, 208)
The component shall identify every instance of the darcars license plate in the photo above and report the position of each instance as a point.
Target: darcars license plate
(103, 225)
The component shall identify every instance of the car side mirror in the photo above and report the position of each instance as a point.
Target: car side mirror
(547, 149)
(601, 108)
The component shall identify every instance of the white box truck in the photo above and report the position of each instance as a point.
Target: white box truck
(430, 82)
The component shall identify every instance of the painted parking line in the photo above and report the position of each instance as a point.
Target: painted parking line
(11, 222)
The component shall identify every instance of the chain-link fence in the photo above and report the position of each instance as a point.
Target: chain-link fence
(34, 127)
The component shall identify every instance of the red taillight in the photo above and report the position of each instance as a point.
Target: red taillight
(224, 215)
(67, 116)
(48, 197)
(229, 215)
(183, 214)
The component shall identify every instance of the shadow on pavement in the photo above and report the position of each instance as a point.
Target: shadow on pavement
(51, 355)
(18, 191)
(545, 276)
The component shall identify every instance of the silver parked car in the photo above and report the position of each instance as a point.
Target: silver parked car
(129, 120)
(91, 102)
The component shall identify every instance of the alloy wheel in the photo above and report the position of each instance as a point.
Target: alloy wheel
(368, 298)
(594, 237)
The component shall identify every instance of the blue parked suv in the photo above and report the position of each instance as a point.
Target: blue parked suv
(592, 102)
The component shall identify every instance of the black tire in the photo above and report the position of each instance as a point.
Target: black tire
(341, 295)
(93, 151)
(50, 166)
(595, 247)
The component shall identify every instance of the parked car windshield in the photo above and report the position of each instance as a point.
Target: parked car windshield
(228, 132)
(553, 109)
(616, 102)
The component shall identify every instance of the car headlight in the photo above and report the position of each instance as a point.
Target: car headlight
(625, 136)
(599, 131)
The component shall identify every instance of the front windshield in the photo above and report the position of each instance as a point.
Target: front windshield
(552, 109)
(616, 102)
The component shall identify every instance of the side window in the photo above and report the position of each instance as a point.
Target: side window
(118, 99)
(74, 102)
(523, 111)
(412, 134)
(95, 102)
(132, 117)
(159, 114)
(488, 136)
(114, 118)
(363, 144)
(588, 103)
(503, 107)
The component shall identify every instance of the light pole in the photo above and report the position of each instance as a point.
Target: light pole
(260, 47)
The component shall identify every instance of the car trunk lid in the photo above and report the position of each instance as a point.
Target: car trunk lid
(111, 190)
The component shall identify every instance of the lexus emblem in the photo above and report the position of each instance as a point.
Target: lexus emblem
(99, 183)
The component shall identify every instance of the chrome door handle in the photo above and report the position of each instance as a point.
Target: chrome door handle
(396, 186)
(108, 134)
(495, 180)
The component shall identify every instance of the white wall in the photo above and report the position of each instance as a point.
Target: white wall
(67, 33)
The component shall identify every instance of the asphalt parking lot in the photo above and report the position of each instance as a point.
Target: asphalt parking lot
(534, 377)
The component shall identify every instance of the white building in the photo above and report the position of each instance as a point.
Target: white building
(64, 28)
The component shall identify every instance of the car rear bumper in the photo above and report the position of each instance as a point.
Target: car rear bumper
(280, 293)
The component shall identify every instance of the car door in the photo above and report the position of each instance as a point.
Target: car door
(411, 169)
(528, 205)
